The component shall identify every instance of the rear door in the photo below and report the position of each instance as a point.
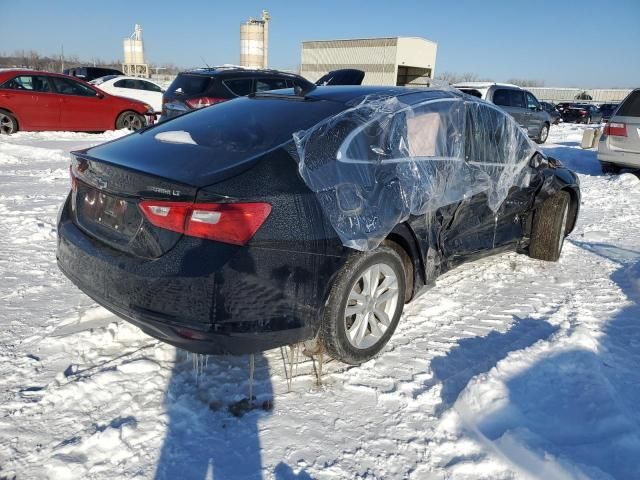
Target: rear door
(32, 99)
(629, 114)
(81, 107)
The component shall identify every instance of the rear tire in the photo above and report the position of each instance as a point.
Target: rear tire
(130, 120)
(549, 227)
(8, 123)
(544, 134)
(609, 168)
(371, 285)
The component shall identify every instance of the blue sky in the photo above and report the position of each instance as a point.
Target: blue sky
(590, 43)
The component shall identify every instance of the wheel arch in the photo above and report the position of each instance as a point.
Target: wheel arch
(13, 114)
(403, 240)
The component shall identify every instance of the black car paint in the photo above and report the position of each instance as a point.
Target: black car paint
(211, 297)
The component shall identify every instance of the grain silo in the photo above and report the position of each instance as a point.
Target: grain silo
(134, 63)
(254, 42)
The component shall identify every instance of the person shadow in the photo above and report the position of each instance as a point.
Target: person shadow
(212, 430)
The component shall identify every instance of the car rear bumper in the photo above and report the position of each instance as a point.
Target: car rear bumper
(202, 296)
(618, 157)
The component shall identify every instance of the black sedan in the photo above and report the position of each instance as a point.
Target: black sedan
(607, 110)
(304, 215)
(582, 113)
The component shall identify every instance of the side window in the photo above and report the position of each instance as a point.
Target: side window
(501, 97)
(240, 86)
(263, 84)
(121, 84)
(150, 87)
(517, 99)
(532, 103)
(66, 86)
(20, 83)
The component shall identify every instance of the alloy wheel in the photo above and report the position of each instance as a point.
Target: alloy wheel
(7, 125)
(371, 305)
(132, 122)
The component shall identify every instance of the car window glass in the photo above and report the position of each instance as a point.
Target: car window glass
(66, 86)
(501, 97)
(151, 87)
(186, 84)
(31, 83)
(121, 84)
(532, 103)
(239, 86)
(517, 99)
(263, 84)
(631, 106)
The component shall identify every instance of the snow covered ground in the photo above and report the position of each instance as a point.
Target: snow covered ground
(508, 368)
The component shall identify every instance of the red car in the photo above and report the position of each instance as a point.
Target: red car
(31, 100)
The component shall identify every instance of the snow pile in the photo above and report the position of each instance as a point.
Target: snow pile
(507, 368)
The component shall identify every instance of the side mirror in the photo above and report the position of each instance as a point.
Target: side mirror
(538, 161)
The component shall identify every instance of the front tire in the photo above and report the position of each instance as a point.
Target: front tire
(8, 123)
(364, 306)
(544, 133)
(130, 120)
(549, 227)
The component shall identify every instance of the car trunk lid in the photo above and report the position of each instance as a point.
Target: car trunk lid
(105, 205)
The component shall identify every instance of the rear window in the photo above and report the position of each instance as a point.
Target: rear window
(631, 106)
(186, 84)
(245, 127)
(471, 91)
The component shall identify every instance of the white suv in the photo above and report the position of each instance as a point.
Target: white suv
(619, 144)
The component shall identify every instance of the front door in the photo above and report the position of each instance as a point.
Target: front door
(82, 109)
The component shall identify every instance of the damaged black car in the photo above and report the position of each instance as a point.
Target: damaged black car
(305, 215)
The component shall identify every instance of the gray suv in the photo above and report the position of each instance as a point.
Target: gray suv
(521, 104)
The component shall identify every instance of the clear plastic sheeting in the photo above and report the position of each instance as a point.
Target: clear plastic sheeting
(388, 157)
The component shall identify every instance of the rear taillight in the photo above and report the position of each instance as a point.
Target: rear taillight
(234, 223)
(615, 129)
(583, 112)
(203, 101)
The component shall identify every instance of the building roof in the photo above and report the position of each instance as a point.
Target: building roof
(364, 39)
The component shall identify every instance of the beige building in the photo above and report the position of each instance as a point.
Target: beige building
(385, 61)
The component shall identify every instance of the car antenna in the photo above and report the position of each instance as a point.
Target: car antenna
(205, 62)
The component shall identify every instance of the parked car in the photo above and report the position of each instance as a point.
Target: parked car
(132, 87)
(31, 100)
(582, 113)
(203, 232)
(619, 145)
(199, 88)
(607, 110)
(561, 107)
(552, 111)
(522, 105)
(91, 73)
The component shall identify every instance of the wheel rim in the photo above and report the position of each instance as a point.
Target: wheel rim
(371, 306)
(6, 124)
(132, 121)
(563, 226)
(545, 133)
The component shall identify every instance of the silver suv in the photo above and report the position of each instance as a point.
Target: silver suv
(619, 144)
(521, 104)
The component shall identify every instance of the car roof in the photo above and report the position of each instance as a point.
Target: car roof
(127, 77)
(484, 85)
(347, 93)
(236, 71)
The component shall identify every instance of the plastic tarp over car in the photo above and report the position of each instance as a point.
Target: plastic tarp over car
(390, 156)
